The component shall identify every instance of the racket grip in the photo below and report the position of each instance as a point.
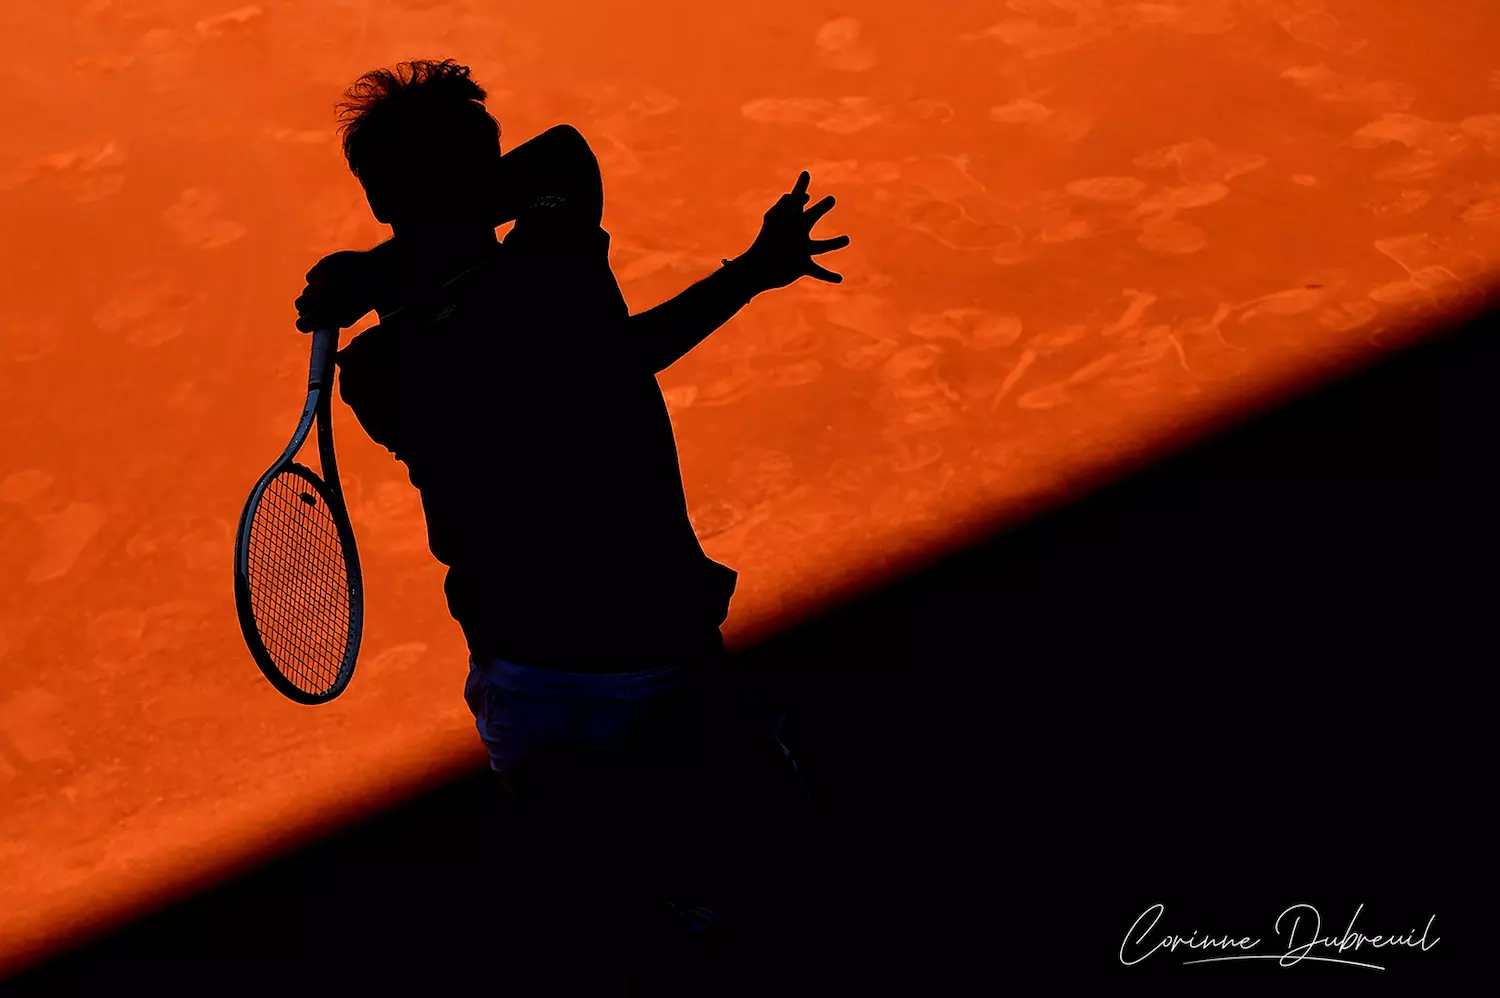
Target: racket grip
(325, 343)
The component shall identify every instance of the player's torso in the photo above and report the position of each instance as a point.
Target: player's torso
(545, 458)
(519, 414)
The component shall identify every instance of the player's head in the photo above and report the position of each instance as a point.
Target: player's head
(420, 141)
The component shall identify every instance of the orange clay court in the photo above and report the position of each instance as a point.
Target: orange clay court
(1083, 231)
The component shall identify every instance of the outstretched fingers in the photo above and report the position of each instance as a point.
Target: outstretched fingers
(829, 245)
(794, 199)
(823, 273)
(817, 211)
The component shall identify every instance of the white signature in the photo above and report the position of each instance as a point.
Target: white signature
(1298, 921)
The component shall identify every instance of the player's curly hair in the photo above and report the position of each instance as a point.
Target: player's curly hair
(421, 100)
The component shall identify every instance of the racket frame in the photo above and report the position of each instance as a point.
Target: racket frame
(317, 406)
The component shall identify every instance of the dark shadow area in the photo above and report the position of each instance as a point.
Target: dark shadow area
(1247, 677)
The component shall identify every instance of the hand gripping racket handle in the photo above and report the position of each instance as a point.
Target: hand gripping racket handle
(325, 344)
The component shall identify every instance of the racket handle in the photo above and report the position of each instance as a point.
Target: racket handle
(325, 343)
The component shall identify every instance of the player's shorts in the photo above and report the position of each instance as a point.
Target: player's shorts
(677, 719)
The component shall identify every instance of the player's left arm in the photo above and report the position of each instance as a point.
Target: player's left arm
(782, 253)
(560, 194)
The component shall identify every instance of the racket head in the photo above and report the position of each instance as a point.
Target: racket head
(297, 585)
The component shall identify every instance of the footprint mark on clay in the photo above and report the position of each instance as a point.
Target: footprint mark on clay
(849, 171)
(1059, 392)
(841, 47)
(88, 173)
(1485, 128)
(1413, 131)
(974, 327)
(1325, 84)
(647, 263)
(32, 338)
(913, 455)
(33, 721)
(841, 116)
(712, 519)
(844, 115)
(1033, 39)
(953, 226)
(680, 396)
(64, 536)
(1319, 28)
(1482, 212)
(1166, 203)
(728, 389)
(804, 372)
(1429, 266)
(912, 373)
(946, 178)
(1416, 251)
(867, 315)
(1065, 125)
(1421, 286)
(1172, 238)
(1197, 17)
(1021, 112)
(1430, 144)
(148, 311)
(398, 658)
(20, 487)
(1201, 161)
(1404, 203)
(1023, 364)
(1348, 315)
(197, 221)
(1130, 317)
(1110, 190)
(1293, 301)
(230, 21)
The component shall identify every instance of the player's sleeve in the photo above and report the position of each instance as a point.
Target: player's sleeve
(559, 245)
(561, 207)
(566, 172)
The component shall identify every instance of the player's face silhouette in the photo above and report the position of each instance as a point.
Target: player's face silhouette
(434, 181)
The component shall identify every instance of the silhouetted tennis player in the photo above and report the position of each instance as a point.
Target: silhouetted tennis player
(520, 393)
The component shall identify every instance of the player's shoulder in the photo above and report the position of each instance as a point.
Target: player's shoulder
(552, 223)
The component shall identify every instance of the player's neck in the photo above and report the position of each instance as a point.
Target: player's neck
(426, 256)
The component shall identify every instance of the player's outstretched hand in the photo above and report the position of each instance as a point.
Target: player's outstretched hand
(342, 288)
(784, 249)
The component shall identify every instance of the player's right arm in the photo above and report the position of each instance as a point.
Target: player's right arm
(549, 186)
(556, 166)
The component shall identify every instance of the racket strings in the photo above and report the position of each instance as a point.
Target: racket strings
(302, 612)
(299, 583)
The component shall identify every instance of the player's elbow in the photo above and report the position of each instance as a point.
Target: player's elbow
(578, 169)
(568, 150)
(566, 135)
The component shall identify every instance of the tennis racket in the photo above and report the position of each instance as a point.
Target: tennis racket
(296, 571)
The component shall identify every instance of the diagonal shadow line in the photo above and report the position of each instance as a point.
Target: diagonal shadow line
(1304, 586)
